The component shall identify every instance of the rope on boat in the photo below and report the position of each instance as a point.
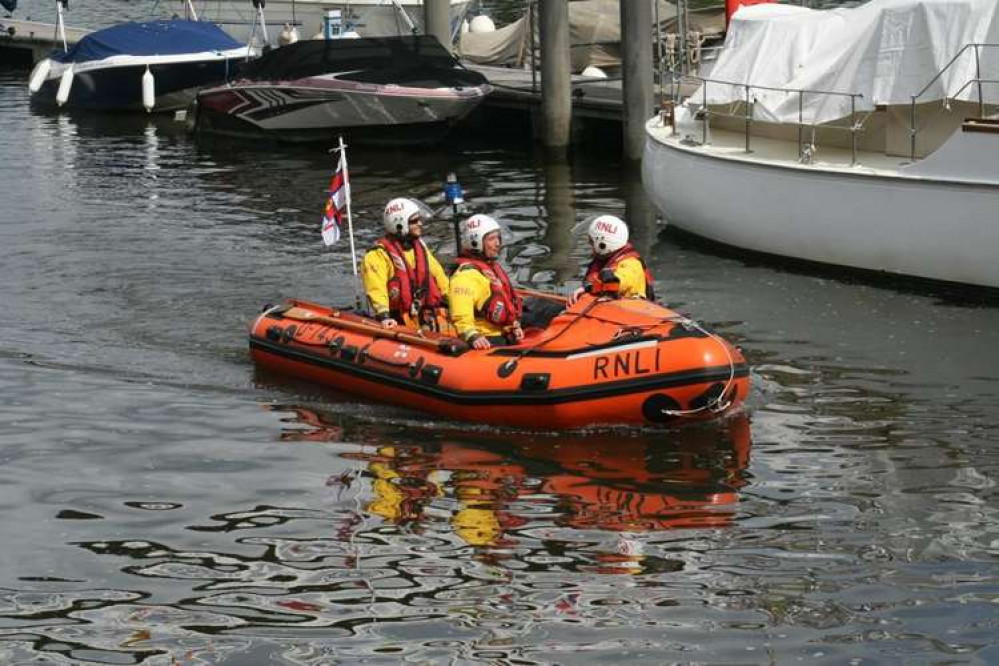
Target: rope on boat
(720, 403)
(510, 365)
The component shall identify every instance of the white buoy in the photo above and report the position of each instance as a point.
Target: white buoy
(350, 34)
(39, 74)
(148, 90)
(65, 83)
(289, 35)
(482, 23)
(594, 72)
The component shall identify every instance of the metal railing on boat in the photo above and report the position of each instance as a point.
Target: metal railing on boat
(749, 101)
(977, 81)
(855, 127)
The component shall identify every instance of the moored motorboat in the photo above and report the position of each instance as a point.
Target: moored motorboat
(599, 362)
(150, 65)
(398, 90)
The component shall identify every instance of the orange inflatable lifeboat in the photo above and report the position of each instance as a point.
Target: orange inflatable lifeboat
(602, 361)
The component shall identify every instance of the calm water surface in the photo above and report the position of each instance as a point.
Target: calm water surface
(162, 503)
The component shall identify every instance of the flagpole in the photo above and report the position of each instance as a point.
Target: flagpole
(350, 222)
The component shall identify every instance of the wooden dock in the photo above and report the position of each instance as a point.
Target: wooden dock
(23, 43)
(592, 98)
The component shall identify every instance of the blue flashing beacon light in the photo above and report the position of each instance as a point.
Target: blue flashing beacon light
(453, 193)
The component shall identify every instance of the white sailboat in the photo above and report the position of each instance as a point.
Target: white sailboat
(862, 137)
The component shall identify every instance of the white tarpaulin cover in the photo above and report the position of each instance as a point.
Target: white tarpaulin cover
(886, 50)
(594, 33)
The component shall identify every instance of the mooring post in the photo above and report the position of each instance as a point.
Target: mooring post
(636, 65)
(437, 19)
(556, 100)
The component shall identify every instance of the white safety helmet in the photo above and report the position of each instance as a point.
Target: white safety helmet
(398, 214)
(474, 231)
(608, 234)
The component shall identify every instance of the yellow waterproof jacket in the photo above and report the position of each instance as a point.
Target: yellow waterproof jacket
(377, 269)
(631, 273)
(468, 294)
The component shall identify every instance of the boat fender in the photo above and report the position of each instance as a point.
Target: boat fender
(148, 90)
(335, 344)
(415, 366)
(482, 23)
(535, 381)
(349, 352)
(431, 374)
(65, 84)
(660, 408)
(39, 74)
(506, 369)
(289, 35)
(274, 333)
(289, 334)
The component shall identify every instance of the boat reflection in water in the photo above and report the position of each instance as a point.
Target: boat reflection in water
(501, 492)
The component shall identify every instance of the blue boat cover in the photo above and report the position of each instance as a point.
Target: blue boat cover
(164, 37)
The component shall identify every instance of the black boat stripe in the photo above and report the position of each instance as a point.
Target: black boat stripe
(512, 397)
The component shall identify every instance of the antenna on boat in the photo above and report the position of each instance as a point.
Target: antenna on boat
(454, 195)
(189, 10)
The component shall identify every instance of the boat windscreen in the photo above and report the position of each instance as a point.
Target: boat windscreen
(315, 57)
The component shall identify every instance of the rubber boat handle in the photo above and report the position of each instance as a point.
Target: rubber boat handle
(449, 346)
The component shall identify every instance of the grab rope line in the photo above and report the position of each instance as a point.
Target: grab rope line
(719, 403)
(521, 353)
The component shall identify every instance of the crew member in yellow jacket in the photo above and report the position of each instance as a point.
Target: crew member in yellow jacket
(404, 282)
(616, 264)
(484, 308)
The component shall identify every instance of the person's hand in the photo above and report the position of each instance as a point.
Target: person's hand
(517, 332)
(576, 295)
(480, 342)
(389, 322)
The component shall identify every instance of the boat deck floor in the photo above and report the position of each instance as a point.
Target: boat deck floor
(732, 145)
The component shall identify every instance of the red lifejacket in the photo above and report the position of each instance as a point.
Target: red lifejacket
(412, 290)
(503, 306)
(612, 260)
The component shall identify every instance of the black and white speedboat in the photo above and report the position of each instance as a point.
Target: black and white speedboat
(152, 65)
(394, 90)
